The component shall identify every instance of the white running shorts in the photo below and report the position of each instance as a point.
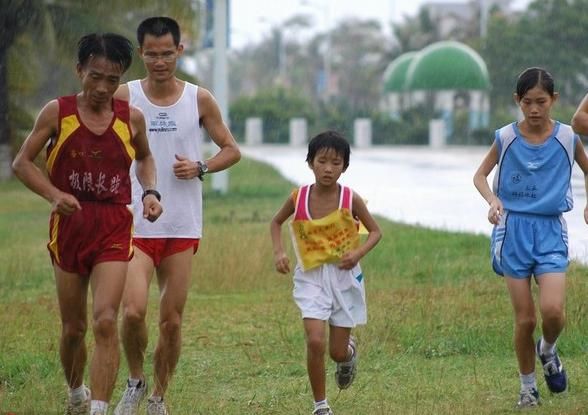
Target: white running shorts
(331, 294)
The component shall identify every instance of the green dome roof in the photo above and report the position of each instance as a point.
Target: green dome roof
(395, 74)
(447, 65)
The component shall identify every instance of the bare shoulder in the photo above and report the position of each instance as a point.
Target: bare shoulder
(51, 108)
(135, 111)
(136, 114)
(357, 198)
(122, 92)
(49, 115)
(46, 126)
(205, 99)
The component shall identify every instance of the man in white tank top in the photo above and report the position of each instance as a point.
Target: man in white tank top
(174, 111)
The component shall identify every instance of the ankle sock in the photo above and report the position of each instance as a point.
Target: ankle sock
(350, 353)
(528, 381)
(321, 404)
(99, 406)
(133, 382)
(78, 394)
(546, 349)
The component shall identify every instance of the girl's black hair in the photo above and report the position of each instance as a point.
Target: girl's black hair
(114, 47)
(532, 77)
(332, 140)
(158, 26)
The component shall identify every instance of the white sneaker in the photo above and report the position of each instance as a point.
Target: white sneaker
(156, 407)
(345, 373)
(529, 398)
(79, 407)
(323, 411)
(131, 399)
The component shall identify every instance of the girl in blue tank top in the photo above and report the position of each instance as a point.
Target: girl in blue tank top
(531, 190)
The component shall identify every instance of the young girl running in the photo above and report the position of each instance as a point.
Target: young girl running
(328, 283)
(530, 192)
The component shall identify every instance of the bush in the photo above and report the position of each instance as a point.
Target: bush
(412, 128)
(276, 107)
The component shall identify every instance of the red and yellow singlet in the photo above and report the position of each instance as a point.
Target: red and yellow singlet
(92, 167)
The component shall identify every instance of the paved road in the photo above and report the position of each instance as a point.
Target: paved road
(422, 186)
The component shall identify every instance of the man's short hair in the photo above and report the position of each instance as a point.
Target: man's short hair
(158, 26)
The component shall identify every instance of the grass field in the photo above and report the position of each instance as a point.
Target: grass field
(438, 340)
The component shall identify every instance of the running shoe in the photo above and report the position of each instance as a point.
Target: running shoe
(529, 398)
(156, 407)
(345, 373)
(323, 411)
(555, 374)
(79, 407)
(131, 399)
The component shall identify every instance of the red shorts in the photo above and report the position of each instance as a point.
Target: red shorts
(100, 232)
(160, 248)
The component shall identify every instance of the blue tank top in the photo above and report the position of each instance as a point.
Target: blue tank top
(535, 178)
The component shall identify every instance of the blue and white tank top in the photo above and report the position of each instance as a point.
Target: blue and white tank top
(535, 178)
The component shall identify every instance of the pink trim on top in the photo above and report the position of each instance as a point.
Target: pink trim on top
(302, 212)
(346, 198)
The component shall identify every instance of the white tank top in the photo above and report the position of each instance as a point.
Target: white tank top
(171, 130)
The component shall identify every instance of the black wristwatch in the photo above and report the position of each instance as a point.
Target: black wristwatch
(203, 167)
(151, 192)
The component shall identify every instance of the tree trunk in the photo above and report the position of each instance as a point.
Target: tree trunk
(5, 148)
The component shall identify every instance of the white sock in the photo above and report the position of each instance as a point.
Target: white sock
(98, 406)
(321, 404)
(350, 353)
(528, 381)
(546, 349)
(133, 383)
(156, 398)
(78, 394)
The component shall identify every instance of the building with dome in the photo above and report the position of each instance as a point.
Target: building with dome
(448, 76)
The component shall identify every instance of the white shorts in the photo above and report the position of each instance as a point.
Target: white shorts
(331, 294)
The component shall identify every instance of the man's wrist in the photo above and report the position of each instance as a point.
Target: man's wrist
(151, 192)
(202, 169)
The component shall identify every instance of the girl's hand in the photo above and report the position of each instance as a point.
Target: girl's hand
(282, 263)
(349, 260)
(495, 212)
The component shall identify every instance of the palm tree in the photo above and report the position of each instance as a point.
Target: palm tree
(14, 18)
(45, 66)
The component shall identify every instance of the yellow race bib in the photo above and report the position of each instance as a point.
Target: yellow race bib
(324, 240)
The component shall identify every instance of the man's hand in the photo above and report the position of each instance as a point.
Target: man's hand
(152, 209)
(185, 169)
(65, 204)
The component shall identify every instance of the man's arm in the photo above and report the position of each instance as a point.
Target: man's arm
(212, 121)
(26, 170)
(146, 172)
(122, 92)
(580, 118)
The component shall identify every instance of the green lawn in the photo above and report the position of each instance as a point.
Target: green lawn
(438, 340)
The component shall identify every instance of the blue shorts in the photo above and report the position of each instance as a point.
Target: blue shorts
(526, 244)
